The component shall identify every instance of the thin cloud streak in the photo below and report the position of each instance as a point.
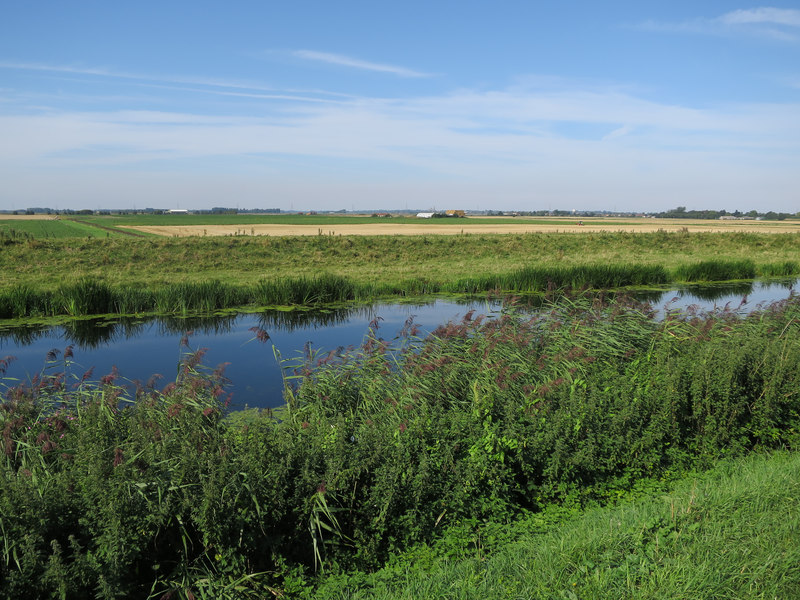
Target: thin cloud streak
(766, 22)
(346, 61)
(457, 129)
(141, 79)
(776, 16)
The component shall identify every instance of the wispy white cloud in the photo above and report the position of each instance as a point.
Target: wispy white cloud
(355, 63)
(619, 132)
(775, 16)
(209, 85)
(776, 23)
(501, 144)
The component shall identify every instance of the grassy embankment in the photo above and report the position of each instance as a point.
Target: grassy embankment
(729, 533)
(131, 275)
(46, 229)
(456, 437)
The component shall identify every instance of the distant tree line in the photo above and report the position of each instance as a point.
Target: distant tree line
(681, 213)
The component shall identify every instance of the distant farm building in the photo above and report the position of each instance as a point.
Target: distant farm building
(425, 215)
(455, 213)
(177, 211)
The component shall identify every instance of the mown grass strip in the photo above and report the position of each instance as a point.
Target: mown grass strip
(732, 533)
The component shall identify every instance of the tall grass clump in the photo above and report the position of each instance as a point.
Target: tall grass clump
(716, 270)
(779, 269)
(23, 300)
(86, 297)
(318, 289)
(10, 235)
(415, 286)
(129, 300)
(204, 296)
(538, 279)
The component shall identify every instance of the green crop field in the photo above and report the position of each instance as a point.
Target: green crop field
(50, 229)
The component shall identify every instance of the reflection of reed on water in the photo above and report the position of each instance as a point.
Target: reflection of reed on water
(709, 293)
(201, 324)
(23, 336)
(293, 320)
(94, 333)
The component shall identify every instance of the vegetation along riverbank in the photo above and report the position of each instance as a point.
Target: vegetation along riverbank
(173, 275)
(405, 454)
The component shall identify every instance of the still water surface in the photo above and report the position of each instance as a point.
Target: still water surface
(142, 348)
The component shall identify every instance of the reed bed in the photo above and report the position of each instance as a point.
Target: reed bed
(88, 296)
(719, 270)
(380, 260)
(114, 490)
(320, 289)
(538, 279)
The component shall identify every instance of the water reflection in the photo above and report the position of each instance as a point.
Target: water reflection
(710, 293)
(142, 347)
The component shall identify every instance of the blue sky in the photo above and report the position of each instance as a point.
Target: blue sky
(366, 105)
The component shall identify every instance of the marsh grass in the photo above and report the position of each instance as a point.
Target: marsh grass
(719, 270)
(86, 297)
(317, 289)
(115, 490)
(379, 260)
(204, 296)
(90, 295)
(786, 268)
(539, 279)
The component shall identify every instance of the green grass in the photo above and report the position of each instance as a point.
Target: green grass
(89, 296)
(719, 270)
(731, 533)
(400, 265)
(52, 229)
(302, 270)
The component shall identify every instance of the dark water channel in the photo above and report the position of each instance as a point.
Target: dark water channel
(141, 348)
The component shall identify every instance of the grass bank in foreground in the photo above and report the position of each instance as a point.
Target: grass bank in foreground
(140, 492)
(733, 532)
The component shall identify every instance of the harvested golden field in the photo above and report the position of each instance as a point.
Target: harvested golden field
(464, 226)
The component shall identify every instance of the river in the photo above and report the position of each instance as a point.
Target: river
(140, 348)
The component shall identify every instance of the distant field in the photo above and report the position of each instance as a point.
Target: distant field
(52, 228)
(305, 225)
(465, 226)
(41, 226)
